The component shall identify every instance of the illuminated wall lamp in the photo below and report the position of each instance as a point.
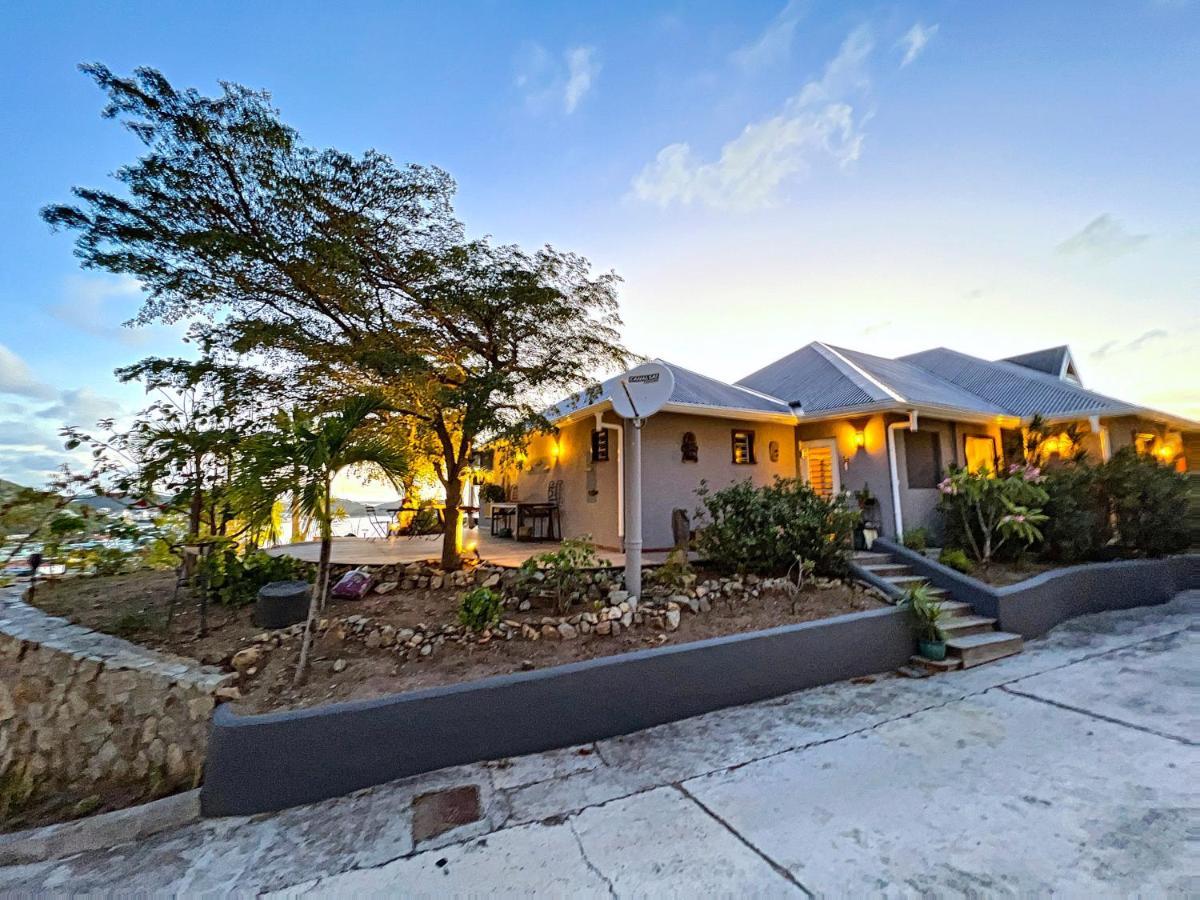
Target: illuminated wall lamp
(860, 438)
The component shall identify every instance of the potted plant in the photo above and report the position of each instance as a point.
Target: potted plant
(489, 494)
(926, 611)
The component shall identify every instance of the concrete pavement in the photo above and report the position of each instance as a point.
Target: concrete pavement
(1071, 767)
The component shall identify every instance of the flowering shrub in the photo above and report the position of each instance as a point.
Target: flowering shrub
(1148, 503)
(989, 511)
(768, 530)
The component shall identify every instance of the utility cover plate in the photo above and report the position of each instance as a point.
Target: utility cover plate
(641, 392)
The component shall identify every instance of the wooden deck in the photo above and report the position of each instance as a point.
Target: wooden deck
(382, 551)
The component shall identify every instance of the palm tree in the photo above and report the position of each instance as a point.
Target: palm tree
(301, 456)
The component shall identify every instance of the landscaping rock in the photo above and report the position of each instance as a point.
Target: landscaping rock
(339, 665)
(567, 631)
(386, 587)
(246, 659)
(672, 619)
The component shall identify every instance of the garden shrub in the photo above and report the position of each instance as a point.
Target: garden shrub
(564, 572)
(1148, 502)
(767, 530)
(916, 539)
(480, 609)
(956, 559)
(233, 580)
(984, 512)
(1077, 522)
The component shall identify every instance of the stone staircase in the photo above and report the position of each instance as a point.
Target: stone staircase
(971, 640)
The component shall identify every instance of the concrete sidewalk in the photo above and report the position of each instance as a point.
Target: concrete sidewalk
(1071, 767)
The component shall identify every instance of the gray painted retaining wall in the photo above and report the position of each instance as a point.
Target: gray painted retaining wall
(1032, 607)
(268, 762)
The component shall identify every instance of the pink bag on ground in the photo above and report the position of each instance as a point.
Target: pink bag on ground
(354, 585)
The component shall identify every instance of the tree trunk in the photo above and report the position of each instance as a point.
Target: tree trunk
(452, 534)
(320, 590)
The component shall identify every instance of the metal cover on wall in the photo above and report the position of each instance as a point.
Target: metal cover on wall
(642, 391)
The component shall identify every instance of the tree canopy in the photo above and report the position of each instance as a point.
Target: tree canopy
(348, 272)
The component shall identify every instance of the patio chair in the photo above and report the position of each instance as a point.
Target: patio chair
(546, 515)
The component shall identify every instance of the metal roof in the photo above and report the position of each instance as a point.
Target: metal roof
(917, 385)
(691, 388)
(814, 381)
(1015, 388)
(1052, 360)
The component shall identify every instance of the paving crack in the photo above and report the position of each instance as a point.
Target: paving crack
(1100, 716)
(782, 871)
(587, 861)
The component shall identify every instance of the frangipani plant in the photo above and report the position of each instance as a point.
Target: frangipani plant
(995, 509)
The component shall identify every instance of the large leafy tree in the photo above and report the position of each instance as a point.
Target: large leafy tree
(349, 270)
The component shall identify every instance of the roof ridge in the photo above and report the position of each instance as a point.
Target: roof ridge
(856, 372)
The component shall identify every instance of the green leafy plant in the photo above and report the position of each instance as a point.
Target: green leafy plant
(492, 493)
(956, 559)
(480, 609)
(1077, 525)
(916, 539)
(763, 530)
(563, 572)
(675, 574)
(233, 579)
(989, 511)
(1148, 502)
(926, 612)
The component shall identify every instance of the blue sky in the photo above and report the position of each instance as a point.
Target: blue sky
(996, 177)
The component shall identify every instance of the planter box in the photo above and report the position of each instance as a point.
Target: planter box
(268, 762)
(1032, 607)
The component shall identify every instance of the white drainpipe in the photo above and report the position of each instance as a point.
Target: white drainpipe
(620, 430)
(911, 425)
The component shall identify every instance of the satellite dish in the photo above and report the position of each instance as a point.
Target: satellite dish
(641, 392)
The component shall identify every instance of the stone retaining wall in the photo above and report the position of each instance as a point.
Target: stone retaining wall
(82, 710)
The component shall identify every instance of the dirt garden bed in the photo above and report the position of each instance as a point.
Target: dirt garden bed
(409, 637)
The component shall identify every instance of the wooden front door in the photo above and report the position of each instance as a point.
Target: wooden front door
(819, 466)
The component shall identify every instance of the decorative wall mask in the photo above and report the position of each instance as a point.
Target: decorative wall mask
(773, 451)
(689, 448)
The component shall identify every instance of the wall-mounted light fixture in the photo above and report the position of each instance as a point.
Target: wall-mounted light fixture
(860, 438)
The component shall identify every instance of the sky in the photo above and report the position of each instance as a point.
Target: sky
(884, 176)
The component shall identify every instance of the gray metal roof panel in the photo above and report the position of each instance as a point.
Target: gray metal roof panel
(1018, 390)
(918, 385)
(690, 387)
(1050, 360)
(809, 379)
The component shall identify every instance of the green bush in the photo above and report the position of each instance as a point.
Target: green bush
(766, 530)
(233, 580)
(492, 493)
(480, 609)
(1077, 523)
(957, 560)
(916, 539)
(1148, 502)
(564, 572)
(984, 512)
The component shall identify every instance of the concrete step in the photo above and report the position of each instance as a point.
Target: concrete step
(976, 649)
(961, 626)
(948, 664)
(862, 557)
(883, 569)
(954, 607)
(905, 581)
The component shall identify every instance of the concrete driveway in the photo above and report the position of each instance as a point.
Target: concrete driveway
(1072, 767)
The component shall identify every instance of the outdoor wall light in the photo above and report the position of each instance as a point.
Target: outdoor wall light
(860, 438)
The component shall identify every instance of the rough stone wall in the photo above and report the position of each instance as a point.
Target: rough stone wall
(80, 709)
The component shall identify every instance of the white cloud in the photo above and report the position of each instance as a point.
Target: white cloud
(17, 378)
(774, 45)
(547, 83)
(92, 304)
(914, 41)
(816, 123)
(81, 406)
(582, 69)
(1101, 239)
(1111, 348)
